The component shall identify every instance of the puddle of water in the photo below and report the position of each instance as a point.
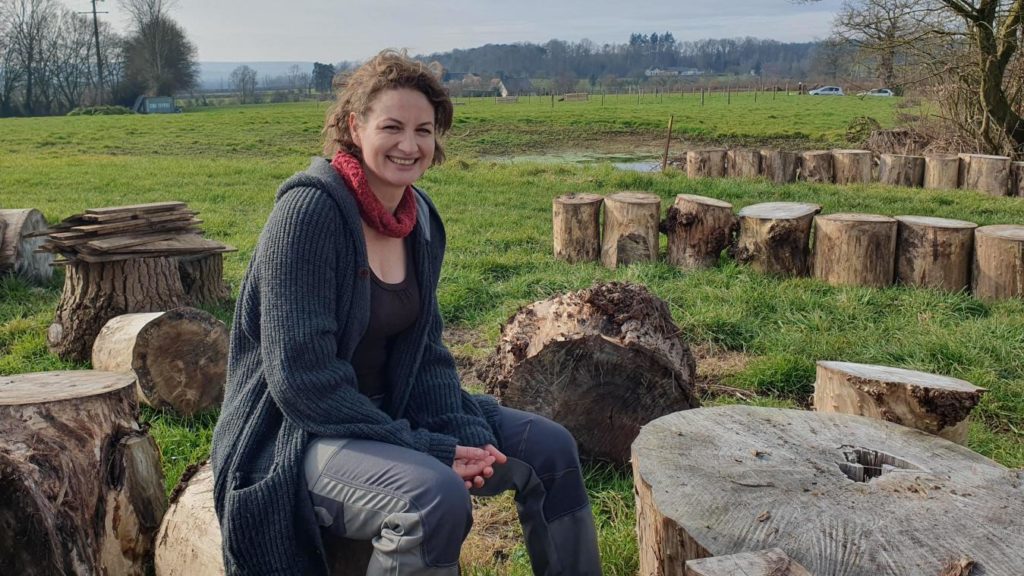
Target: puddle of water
(638, 166)
(618, 161)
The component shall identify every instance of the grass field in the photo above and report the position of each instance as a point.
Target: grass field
(749, 331)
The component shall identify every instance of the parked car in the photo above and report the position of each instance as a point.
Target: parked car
(827, 91)
(877, 92)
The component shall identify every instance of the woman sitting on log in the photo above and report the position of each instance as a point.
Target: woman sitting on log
(343, 409)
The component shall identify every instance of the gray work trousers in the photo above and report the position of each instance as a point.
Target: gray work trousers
(417, 511)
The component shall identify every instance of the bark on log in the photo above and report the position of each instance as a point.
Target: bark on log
(852, 166)
(698, 229)
(630, 228)
(936, 404)
(988, 174)
(17, 253)
(855, 249)
(705, 163)
(733, 479)
(96, 292)
(179, 358)
(998, 262)
(816, 166)
(773, 562)
(934, 252)
(779, 166)
(1017, 179)
(81, 489)
(774, 237)
(202, 279)
(942, 172)
(901, 170)
(602, 362)
(743, 163)
(577, 230)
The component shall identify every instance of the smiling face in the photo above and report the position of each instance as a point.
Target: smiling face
(396, 138)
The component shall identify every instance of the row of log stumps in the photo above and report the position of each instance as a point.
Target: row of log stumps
(18, 247)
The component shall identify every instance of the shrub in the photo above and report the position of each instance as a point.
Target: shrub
(100, 111)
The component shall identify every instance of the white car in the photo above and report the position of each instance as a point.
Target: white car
(827, 91)
(877, 92)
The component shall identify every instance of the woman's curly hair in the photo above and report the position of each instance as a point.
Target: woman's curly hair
(388, 70)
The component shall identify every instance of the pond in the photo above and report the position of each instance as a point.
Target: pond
(626, 162)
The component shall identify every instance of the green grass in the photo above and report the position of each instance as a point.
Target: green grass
(228, 162)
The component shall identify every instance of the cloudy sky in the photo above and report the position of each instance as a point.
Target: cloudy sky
(262, 30)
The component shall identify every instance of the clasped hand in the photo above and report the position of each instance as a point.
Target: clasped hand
(474, 465)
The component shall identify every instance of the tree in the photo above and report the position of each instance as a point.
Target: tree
(323, 74)
(159, 58)
(28, 24)
(243, 80)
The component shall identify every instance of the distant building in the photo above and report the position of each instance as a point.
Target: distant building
(154, 105)
(508, 86)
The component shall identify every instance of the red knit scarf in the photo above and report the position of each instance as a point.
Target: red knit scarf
(376, 216)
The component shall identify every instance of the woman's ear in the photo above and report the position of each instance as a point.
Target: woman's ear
(353, 129)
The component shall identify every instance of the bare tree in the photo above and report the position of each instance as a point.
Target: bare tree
(71, 55)
(243, 79)
(28, 24)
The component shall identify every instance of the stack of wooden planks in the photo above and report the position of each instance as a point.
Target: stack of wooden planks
(114, 233)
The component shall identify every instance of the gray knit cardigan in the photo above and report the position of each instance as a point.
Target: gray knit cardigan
(302, 308)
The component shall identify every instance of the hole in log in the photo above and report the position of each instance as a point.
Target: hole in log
(864, 465)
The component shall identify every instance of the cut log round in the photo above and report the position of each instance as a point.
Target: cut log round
(576, 225)
(202, 279)
(734, 479)
(901, 170)
(774, 237)
(96, 292)
(852, 166)
(179, 358)
(630, 228)
(779, 166)
(988, 174)
(81, 489)
(942, 171)
(773, 562)
(934, 252)
(938, 405)
(705, 163)
(816, 166)
(855, 249)
(1017, 179)
(998, 262)
(743, 163)
(602, 362)
(17, 253)
(698, 229)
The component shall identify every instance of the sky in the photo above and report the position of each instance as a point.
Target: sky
(306, 30)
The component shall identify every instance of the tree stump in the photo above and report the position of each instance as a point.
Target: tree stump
(988, 174)
(934, 252)
(779, 166)
(18, 252)
(630, 228)
(901, 170)
(816, 166)
(81, 489)
(179, 358)
(189, 541)
(998, 262)
(602, 362)
(855, 249)
(1017, 179)
(774, 237)
(743, 163)
(96, 292)
(705, 163)
(734, 479)
(937, 405)
(942, 172)
(576, 225)
(852, 166)
(773, 562)
(698, 229)
(202, 279)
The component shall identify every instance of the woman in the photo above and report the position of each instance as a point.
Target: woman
(343, 410)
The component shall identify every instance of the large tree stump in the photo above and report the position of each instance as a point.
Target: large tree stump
(901, 170)
(708, 163)
(630, 228)
(602, 362)
(81, 489)
(998, 262)
(942, 171)
(698, 229)
(743, 163)
(988, 174)
(1017, 179)
(852, 166)
(779, 166)
(855, 249)
(734, 479)
(774, 237)
(179, 358)
(575, 221)
(96, 292)
(816, 166)
(202, 279)
(934, 252)
(18, 251)
(938, 405)
(773, 562)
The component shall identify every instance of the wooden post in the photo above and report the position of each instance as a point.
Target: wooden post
(774, 237)
(1017, 179)
(576, 227)
(630, 228)
(998, 262)
(668, 142)
(938, 405)
(852, 166)
(743, 163)
(707, 163)
(773, 562)
(698, 229)
(816, 166)
(934, 252)
(854, 249)
(702, 97)
(901, 170)
(779, 166)
(942, 171)
(988, 174)
(18, 253)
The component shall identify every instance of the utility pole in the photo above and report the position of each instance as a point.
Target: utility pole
(99, 56)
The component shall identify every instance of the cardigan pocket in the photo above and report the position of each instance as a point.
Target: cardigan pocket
(259, 535)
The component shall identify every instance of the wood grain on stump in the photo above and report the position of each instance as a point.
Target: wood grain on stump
(602, 362)
(708, 163)
(779, 166)
(18, 251)
(575, 220)
(985, 173)
(202, 279)
(734, 479)
(81, 488)
(774, 237)
(998, 271)
(942, 171)
(855, 249)
(630, 228)
(773, 562)
(698, 229)
(901, 170)
(1017, 179)
(743, 163)
(816, 166)
(851, 166)
(936, 404)
(934, 252)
